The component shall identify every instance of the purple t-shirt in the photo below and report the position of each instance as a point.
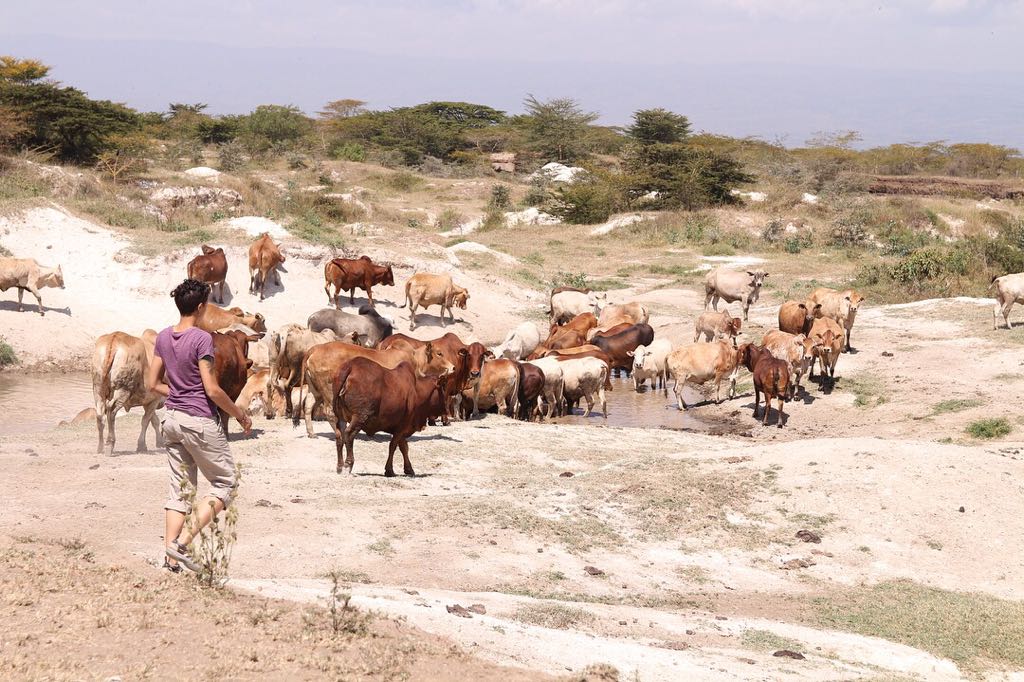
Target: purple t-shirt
(181, 352)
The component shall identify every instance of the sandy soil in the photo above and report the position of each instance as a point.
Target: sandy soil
(695, 568)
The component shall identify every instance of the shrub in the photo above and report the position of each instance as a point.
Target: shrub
(230, 156)
(848, 231)
(449, 219)
(774, 231)
(586, 202)
(537, 194)
(403, 181)
(7, 354)
(493, 220)
(349, 151)
(501, 198)
(569, 279)
(989, 428)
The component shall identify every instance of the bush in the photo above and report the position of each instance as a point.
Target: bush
(403, 181)
(449, 219)
(848, 231)
(989, 428)
(537, 194)
(774, 231)
(493, 220)
(230, 156)
(569, 279)
(349, 151)
(587, 201)
(7, 354)
(501, 198)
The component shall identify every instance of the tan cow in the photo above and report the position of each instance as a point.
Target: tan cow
(584, 377)
(424, 289)
(28, 275)
(731, 286)
(1009, 290)
(119, 365)
(498, 385)
(796, 350)
(264, 257)
(828, 339)
(322, 362)
(213, 318)
(796, 317)
(620, 313)
(288, 346)
(254, 395)
(716, 325)
(700, 363)
(840, 306)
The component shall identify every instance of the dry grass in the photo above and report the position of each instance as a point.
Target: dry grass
(557, 616)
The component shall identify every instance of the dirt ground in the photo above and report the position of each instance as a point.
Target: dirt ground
(666, 554)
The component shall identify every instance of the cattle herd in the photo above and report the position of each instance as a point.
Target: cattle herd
(354, 370)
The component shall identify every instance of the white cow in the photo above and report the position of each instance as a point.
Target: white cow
(554, 385)
(651, 362)
(519, 343)
(566, 305)
(585, 378)
(731, 286)
(1009, 290)
(119, 365)
(28, 275)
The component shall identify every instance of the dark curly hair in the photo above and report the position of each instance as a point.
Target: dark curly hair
(189, 294)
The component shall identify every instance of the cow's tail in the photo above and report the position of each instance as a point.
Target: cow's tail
(340, 387)
(408, 286)
(776, 376)
(302, 387)
(106, 393)
(992, 282)
(515, 392)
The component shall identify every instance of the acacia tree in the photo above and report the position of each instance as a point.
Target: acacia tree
(557, 128)
(342, 108)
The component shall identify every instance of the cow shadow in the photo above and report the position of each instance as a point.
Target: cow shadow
(272, 288)
(426, 319)
(229, 295)
(33, 308)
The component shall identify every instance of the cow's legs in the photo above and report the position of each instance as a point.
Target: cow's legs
(148, 416)
(330, 299)
(21, 292)
(602, 400)
(678, 389)
(100, 423)
(307, 405)
(707, 299)
(767, 408)
(347, 441)
(369, 296)
(39, 299)
(403, 445)
(757, 399)
(351, 295)
(781, 415)
(412, 315)
(590, 403)
(112, 408)
(252, 280)
(389, 466)
(848, 339)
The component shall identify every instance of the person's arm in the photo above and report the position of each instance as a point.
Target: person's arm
(219, 397)
(155, 377)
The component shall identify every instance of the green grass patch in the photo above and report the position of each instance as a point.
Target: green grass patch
(954, 405)
(557, 616)
(971, 629)
(765, 640)
(989, 428)
(868, 390)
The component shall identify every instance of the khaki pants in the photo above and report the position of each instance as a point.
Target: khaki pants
(196, 443)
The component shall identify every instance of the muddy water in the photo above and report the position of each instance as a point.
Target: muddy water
(33, 403)
(650, 409)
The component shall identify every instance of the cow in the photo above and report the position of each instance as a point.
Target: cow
(27, 275)
(715, 325)
(1009, 290)
(566, 305)
(260, 394)
(369, 326)
(119, 366)
(211, 267)
(700, 363)
(554, 384)
(611, 331)
(828, 339)
(840, 306)
(796, 317)
(519, 343)
(771, 377)
(651, 362)
(467, 362)
(587, 350)
(531, 387)
(796, 350)
(497, 385)
(584, 377)
(264, 257)
(425, 290)
(349, 274)
(619, 313)
(213, 318)
(567, 339)
(321, 362)
(620, 347)
(731, 286)
(370, 398)
(231, 365)
(287, 348)
(581, 323)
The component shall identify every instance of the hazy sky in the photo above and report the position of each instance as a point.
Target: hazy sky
(798, 55)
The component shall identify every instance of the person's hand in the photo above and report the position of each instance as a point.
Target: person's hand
(246, 423)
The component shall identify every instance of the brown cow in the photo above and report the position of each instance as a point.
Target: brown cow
(264, 257)
(371, 398)
(829, 339)
(210, 267)
(349, 274)
(321, 362)
(796, 317)
(214, 318)
(119, 366)
(531, 386)
(498, 385)
(771, 377)
(425, 290)
(231, 365)
(620, 347)
(467, 361)
(611, 331)
(582, 323)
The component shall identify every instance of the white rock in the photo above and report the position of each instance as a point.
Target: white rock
(203, 172)
(475, 247)
(558, 172)
(196, 196)
(756, 197)
(809, 198)
(616, 222)
(254, 226)
(530, 216)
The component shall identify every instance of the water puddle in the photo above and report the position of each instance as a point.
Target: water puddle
(34, 403)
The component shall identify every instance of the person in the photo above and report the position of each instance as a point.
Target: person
(182, 371)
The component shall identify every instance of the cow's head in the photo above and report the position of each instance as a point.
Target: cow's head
(54, 278)
(459, 297)
(478, 354)
(825, 344)
(259, 323)
(811, 310)
(757, 278)
(387, 277)
(639, 354)
(732, 326)
(207, 250)
(433, 361)
(852, 301)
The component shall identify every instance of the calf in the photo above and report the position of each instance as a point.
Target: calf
(716, 325)
(620, 347)
(349, 274)
(651, 362)
(531, 387)
(700, 363)
(119, 366)
(27, 275)
(370, 398)
(497, 385)
(211, 267)
(841, 306)
(731, 286)
(264, 257)
(1009, 290)
(828, 339)
(796, 350)
(796, 317)
(771, 377)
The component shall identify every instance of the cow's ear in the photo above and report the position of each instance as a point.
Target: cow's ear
(847, 298)
(750, 273)
(801, 305)
(630, 353)
(463, 353)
